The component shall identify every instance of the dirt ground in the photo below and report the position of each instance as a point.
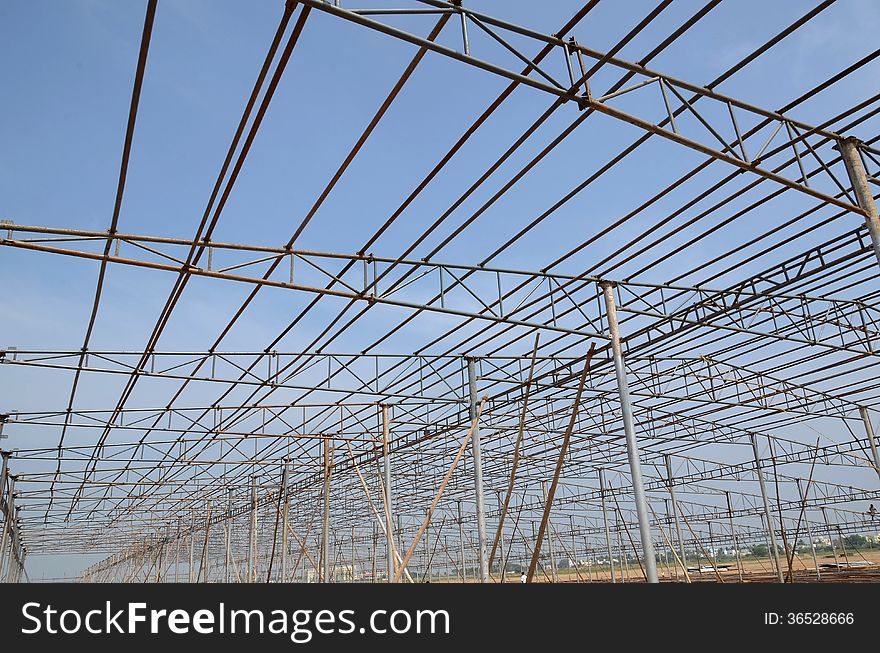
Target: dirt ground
(753, 570)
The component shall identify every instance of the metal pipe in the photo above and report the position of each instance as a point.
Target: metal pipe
(669, 544)
(713, 553)
(389, 533)
(285, 517)
(605, 520)
(5, 464)
(252, 539)
(461, 545)
(739, 567)
(373, 553)
(177, 553)
(855, 168)
(675, 510)
(325, 528)
(503, 561)
(5, 505)
(203, 567)
(14, 556)
(872, 440)
(809, 529)
(192, 548)
(768, 515)
(228, 542)
(8, 527)
(482, 539)
(632, 447)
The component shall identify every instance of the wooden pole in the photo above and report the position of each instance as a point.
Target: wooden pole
(560, 461)
(516, 450)
(421, 531)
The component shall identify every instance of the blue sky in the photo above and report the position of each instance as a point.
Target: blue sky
(66, 70)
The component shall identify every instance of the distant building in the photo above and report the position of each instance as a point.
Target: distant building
(338, 574)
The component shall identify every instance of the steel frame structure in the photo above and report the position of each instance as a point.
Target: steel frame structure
(670, 420)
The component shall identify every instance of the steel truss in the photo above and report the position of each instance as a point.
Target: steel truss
(718, 410)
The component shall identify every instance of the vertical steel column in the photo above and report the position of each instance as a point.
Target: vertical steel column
(482, 540)
(675, 510)
(14, 557)
(228, 557)
(6, 550)
(285, 515)
(712, 551)
(855, 168)
(19, 549)
(353, 556)
(399, 538)
(502, 566)
(669, 540)
(192, 548)
(160, 541)
(177, 553)
(592, 559)
(325, 527)
(632, 446)
(623, 553)
(4, 455)
(389, 533)
(535, 539)
(203, 567)
(4, 513)
(252, 539)
(739, 567)
(373, 552)
(872, 441)
(809, 529)
(461, 545)
(771, 528)
(605, 519)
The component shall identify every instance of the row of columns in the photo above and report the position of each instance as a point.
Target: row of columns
(159, 560)
(12, 549)
(154, 557)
